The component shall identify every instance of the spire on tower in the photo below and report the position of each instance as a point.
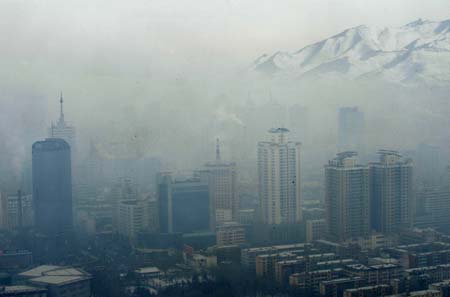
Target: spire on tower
(217, 150)
(61, 101)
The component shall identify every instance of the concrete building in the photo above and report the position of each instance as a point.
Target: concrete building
(315, 229)
(279, 179)
(63, 130)
(298, 119)
(123, 189)
(52, 189)
(222, 180)
(443, 287)
(425, 293)
(374, 274)
(132, 218)
(248, 256)
(336, 287)
(422, 255)
(22, 291)
(350, 129)
(392, 198)
(369, 291)
(347, 198)
(59, 281)
(246, 216)
(146, 273)
(230, 233)
(434, 207)
(429, 165)
(312, 279)
(17, 211)
(15, 259)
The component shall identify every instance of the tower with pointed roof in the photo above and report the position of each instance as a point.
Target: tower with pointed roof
(62, 129)
(221, 177)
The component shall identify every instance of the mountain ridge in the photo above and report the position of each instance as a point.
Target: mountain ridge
(416, 52)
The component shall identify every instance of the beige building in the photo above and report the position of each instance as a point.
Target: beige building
(222, 181)
(133, 217)
(230, 233)
(347, 196)
(279, 179)
(315, 229)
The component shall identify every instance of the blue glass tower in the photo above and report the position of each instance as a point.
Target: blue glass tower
(52, 188)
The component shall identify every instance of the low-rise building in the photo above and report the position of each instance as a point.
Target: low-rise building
(15, 259)
(374, 274)
(312, 279)
(230, 233)
(369, 291)
(59, 281)
(336, 287)
(22, 291)
(443, 287)
(146, 273)
(248, 256)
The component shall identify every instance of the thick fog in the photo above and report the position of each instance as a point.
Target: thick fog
(166, 78)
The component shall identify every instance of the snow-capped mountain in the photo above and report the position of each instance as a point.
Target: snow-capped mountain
(416, 52)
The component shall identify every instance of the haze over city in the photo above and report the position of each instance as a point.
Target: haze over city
(194, 140)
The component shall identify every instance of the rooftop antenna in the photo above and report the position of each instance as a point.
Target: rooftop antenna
(19, 209)
(61, 101)
(217, 150)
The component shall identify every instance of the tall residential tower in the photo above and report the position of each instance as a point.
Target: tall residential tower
(347, 198)
(279, 179)
(391, 192)
(350, 129)
(222, 180)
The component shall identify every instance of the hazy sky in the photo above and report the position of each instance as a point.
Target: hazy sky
(188, 31)
(128, 61)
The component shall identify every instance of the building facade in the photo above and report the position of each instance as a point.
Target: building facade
(347, 198)
(222, 180)
(52, 188)
(279, 179)
(391, 192)
(350, 129)
(183, 205)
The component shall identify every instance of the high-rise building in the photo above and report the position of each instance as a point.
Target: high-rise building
(299, 122)
(315, 229)
(279, 179)
(17, 211)
(428, 164)
(433, 208)
(391, 192)
(445, 179)
(347, 197)
(222, 180)
(183, 205)
(133, 217)
(125, 189)
(52, 188)
(350, 129)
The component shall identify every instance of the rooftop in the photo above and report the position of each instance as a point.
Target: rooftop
(19, 289)
(145, 270)
(55, 275)
(278, 130)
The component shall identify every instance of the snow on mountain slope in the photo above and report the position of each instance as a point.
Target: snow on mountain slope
(416, 52)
